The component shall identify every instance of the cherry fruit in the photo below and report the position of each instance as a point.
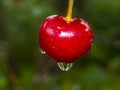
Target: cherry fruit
(65, 39)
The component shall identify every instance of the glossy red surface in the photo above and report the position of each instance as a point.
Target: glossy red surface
(65, 41)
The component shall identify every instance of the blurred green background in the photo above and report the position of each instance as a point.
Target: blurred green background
(23, 67)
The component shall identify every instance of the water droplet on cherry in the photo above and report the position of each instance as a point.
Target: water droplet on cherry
(42, 52)
(65, 66)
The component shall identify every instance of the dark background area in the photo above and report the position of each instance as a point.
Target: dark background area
(23, 67)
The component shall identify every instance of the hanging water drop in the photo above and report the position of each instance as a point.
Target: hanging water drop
(65, 66)
(43, 52)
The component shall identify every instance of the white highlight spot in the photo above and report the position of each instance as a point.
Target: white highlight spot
(51, 17)
(91, 40)
(66, 34)
(86, 29)
(85, 24)
(50, 31)
(58, 27)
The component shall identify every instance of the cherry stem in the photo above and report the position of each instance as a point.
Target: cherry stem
(68, 17)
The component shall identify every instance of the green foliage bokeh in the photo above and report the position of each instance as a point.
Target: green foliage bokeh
(23, 67)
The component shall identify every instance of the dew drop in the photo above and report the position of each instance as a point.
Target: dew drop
(43, 52)
(65, 66)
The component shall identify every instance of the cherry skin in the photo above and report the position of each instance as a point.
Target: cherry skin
(65, 41)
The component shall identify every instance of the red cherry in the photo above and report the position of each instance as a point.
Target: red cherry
(65, 41)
